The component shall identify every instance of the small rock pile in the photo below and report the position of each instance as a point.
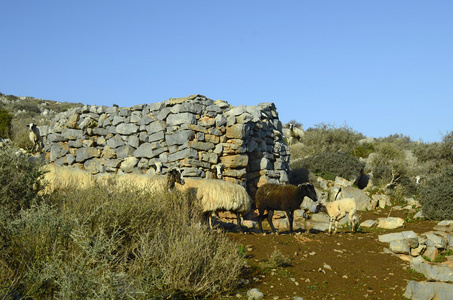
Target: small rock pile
(421, 251)
(193, 132)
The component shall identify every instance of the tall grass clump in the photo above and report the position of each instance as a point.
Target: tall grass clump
(436, 195)
(95, 244)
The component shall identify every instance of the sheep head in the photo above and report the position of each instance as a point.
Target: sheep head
(174, 175)
(308, 190)
(219, 170)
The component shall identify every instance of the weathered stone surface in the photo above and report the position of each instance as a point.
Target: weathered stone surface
(127, 129)
(368, 223)
(179, 137)
(237, 131)
(435, 239)
(404, 235)
(115, 142)
(94, 166)
(441, 273)
(186, 153)
(235, 161)
(362, 200)
(182, 118)
(83, 154)
(128, 164)
(390, 223)
(400, 247)
(155, 127)
(428, 290)
(57, 151)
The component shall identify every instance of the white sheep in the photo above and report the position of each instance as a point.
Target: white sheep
(192, 184)
(338, 209)
(35, 137)
(217, 195)
(59, 178)
(150, 183)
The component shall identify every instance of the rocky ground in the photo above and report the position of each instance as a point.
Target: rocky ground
(323, 266)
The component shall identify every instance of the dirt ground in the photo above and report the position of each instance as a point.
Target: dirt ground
(323, 266)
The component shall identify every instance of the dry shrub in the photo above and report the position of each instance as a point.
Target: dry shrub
(92, 243)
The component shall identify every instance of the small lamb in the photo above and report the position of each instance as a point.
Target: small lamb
(338, 209)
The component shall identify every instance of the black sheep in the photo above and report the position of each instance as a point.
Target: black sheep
(287, 198)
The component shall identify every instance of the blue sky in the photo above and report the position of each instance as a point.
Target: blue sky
(380, 67)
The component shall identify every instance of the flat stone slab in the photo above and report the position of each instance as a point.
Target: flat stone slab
(404, 235)
(428, 290)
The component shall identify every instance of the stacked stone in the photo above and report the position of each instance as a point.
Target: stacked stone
(194, 133)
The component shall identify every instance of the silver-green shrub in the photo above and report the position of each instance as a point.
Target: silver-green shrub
(436, 195)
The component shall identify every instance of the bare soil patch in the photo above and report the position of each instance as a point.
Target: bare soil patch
(342, 266)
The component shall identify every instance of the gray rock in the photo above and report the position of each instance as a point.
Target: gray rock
(182, 118)
(83, 154)
(179, 137)
(404, 235)
(186, 153)
(115, 142)
(127, 129)
(145, 120)
(72, 134)
(128, 164)
(57, 151)
(368, 223)
(441, 273)
(362, 200)
(158, 136)
(435, 239)
(428, 290)
(124, 151)
(148, 150)
(94, 166)
(400, 247)
(390, 223)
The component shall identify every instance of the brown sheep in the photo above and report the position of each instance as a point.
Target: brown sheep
(287, 198)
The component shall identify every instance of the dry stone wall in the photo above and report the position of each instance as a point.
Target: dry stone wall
(194, 133)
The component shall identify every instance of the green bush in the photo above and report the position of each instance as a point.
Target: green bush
(329, 165)
(95, 244)
(328, 138)
(20, 181)
(5, 124)
(436, 195)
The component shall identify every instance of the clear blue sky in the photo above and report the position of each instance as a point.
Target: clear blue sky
(381, 67)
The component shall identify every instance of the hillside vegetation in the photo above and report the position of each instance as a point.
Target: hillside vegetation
(107, 244)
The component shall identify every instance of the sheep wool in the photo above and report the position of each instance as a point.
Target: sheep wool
(217, 195)
(338, 209)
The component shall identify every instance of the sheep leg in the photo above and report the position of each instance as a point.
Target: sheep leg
(238, 218)
(290, 216)
(352, 219)
(330, 225)
(260, 218)
(210, 221)
(269, 219)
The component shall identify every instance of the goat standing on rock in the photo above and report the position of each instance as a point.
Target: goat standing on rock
(288, 198)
